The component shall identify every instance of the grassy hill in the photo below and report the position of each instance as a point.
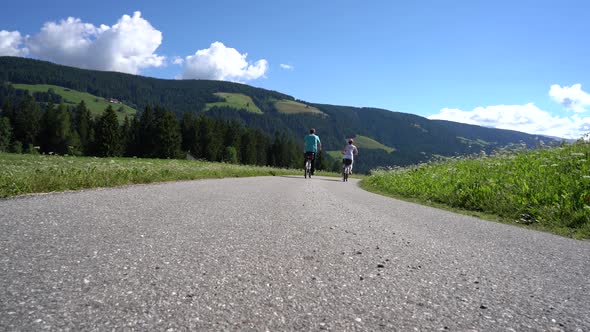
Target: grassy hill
(95, 104)
(235, 100)
(294, 107)
(362, 143)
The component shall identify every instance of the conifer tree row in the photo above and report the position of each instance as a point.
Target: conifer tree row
(30, 126)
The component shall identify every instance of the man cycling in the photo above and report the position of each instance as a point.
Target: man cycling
(312, 146)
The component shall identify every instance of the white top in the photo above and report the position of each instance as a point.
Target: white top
(349, 151)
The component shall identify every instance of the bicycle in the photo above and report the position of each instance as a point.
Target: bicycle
(308, 161)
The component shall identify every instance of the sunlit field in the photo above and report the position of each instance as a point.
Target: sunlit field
(237, 101)
(548, 189)
(24, 174)
(71, 97)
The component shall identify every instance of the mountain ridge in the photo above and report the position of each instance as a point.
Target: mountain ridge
(415, 138)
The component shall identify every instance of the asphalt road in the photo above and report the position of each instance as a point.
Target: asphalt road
(277, 254)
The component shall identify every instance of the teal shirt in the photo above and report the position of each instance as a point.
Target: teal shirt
(311, 143)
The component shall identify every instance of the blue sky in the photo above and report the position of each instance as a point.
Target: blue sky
(519, 64)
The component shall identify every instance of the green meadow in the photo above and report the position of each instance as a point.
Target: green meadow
(293, 107)
(95, 104)
(26, 173)
(362, 142)
(547, 189)
(235, 100)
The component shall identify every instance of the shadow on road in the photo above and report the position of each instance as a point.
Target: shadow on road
(313, 178)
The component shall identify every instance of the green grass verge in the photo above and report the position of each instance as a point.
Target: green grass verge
(293, 107)
(235, 100)
(545, 189)
(25, 174)
(95, 104)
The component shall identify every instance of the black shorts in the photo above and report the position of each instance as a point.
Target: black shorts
(347, 162)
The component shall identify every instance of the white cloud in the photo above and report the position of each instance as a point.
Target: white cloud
(525, 118)
(571, 97)
(10, 44)
(219, 62)
(127, 46)
(287, 67)
(177, 60)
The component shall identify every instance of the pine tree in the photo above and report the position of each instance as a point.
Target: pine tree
(248, 148)
(187, 129)
(108, 135)
(230, 155)
(133, 148)
(57, 130)
(167, 135)
(83, 125)
(261, 147)
(6, 110)
(27, 121)
(5, 134)
(126, 135)
(210, 140)
(147, 131)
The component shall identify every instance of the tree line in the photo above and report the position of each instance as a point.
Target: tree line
(29, 126)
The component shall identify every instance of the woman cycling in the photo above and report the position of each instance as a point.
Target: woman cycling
(349, 151)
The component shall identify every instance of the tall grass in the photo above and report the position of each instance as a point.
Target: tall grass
(547, 188)
(24, 174)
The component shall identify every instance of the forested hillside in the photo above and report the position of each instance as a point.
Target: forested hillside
(413, 138)
(28, 125)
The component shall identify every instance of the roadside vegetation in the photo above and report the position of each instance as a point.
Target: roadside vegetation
(548, 189)
(25, 173)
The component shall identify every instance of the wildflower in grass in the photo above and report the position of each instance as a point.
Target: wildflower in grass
(554, 165)
(577, 154)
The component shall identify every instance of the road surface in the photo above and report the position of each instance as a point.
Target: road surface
(277, 254)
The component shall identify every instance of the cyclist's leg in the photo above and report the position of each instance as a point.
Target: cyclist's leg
(304, 159)
(312, 162)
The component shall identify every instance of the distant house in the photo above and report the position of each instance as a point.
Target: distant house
(114, 101)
